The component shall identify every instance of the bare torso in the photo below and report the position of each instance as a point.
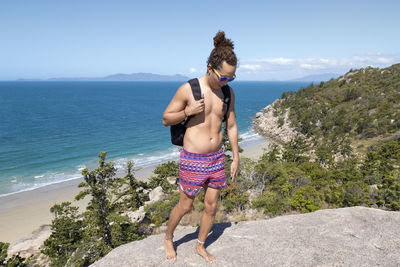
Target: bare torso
(204, 131)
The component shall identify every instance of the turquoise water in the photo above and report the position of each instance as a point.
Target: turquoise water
(50, 131)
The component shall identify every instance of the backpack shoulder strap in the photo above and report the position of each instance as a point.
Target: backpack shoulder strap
(226, 90)
(196, 91)
(194, 83)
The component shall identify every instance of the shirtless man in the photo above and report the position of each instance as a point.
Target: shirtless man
(202, 144)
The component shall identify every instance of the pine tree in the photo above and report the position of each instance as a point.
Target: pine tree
(128, 191)
(295, 149)
(98, 182)
(104, 227)
(66, 233)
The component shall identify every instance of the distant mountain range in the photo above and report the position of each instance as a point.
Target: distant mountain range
(141, 76)
(317, 78)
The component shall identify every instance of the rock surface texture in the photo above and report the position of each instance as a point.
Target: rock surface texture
(267, 125)
(356, 236)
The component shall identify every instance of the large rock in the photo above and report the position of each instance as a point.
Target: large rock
(356, 236)
(172, 179)
(155, 195)
(137, 216)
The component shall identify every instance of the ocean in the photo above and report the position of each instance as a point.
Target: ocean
(50, 131)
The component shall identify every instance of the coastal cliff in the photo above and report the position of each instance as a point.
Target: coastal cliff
(356, 236)
(274, 128)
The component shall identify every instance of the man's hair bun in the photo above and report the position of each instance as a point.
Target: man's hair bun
(221, 41)
(223, 51)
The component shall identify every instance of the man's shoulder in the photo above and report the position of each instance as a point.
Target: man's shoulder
(184, 88)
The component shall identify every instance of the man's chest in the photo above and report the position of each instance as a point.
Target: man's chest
(214, 103)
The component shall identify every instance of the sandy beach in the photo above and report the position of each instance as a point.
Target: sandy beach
(23, 213)
(256, 150)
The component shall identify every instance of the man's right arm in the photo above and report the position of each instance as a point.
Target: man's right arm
(175, 112)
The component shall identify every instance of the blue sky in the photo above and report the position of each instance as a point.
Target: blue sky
(274, 40)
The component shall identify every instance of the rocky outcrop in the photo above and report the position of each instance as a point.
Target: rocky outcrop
(155, 195)
(267, 125)
(356, 236)
(29, 247)
(138, 215)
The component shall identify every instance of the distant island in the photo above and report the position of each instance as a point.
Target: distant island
(141, 76)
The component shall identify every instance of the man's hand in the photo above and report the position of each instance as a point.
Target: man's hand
(195, 107)
(234, 169)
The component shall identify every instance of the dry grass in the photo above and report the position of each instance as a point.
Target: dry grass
(360, 146)
(193, 217)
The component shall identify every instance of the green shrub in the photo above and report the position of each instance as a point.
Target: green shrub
(233, 197)
(356, 193)
(306, 199)
(66, 233)
(271, 202)
(389, 191)
(158, 212)
(163, 171)
(334, 195)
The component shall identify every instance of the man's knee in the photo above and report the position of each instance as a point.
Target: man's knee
(210, 207)
(184, 208)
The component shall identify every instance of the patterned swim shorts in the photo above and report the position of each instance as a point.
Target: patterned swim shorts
(199, 170)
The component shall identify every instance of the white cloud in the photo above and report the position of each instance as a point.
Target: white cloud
(311, 66)
(253, 67)
(192, 70)
(288, 68)
(278, 61)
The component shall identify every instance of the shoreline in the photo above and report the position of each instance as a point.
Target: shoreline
(22, 213)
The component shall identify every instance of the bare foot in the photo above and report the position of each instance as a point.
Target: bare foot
(200, 249)
(170, 253)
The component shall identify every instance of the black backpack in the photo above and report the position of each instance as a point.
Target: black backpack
(178, 130)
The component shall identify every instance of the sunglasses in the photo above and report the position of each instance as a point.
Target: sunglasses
(223, 78)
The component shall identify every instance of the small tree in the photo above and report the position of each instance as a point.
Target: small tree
(128, 191)
(324, 154)
(295, 149)
(163, 171)
(66, 233)
(97, 183)
(81, 239)
(272, 155)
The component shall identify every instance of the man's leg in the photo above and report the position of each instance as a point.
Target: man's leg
(207, 220)
(180, 209)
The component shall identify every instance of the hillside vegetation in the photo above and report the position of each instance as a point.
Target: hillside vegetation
(358, 106)
(347, 150)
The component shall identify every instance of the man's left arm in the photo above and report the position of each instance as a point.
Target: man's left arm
(232, 131)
